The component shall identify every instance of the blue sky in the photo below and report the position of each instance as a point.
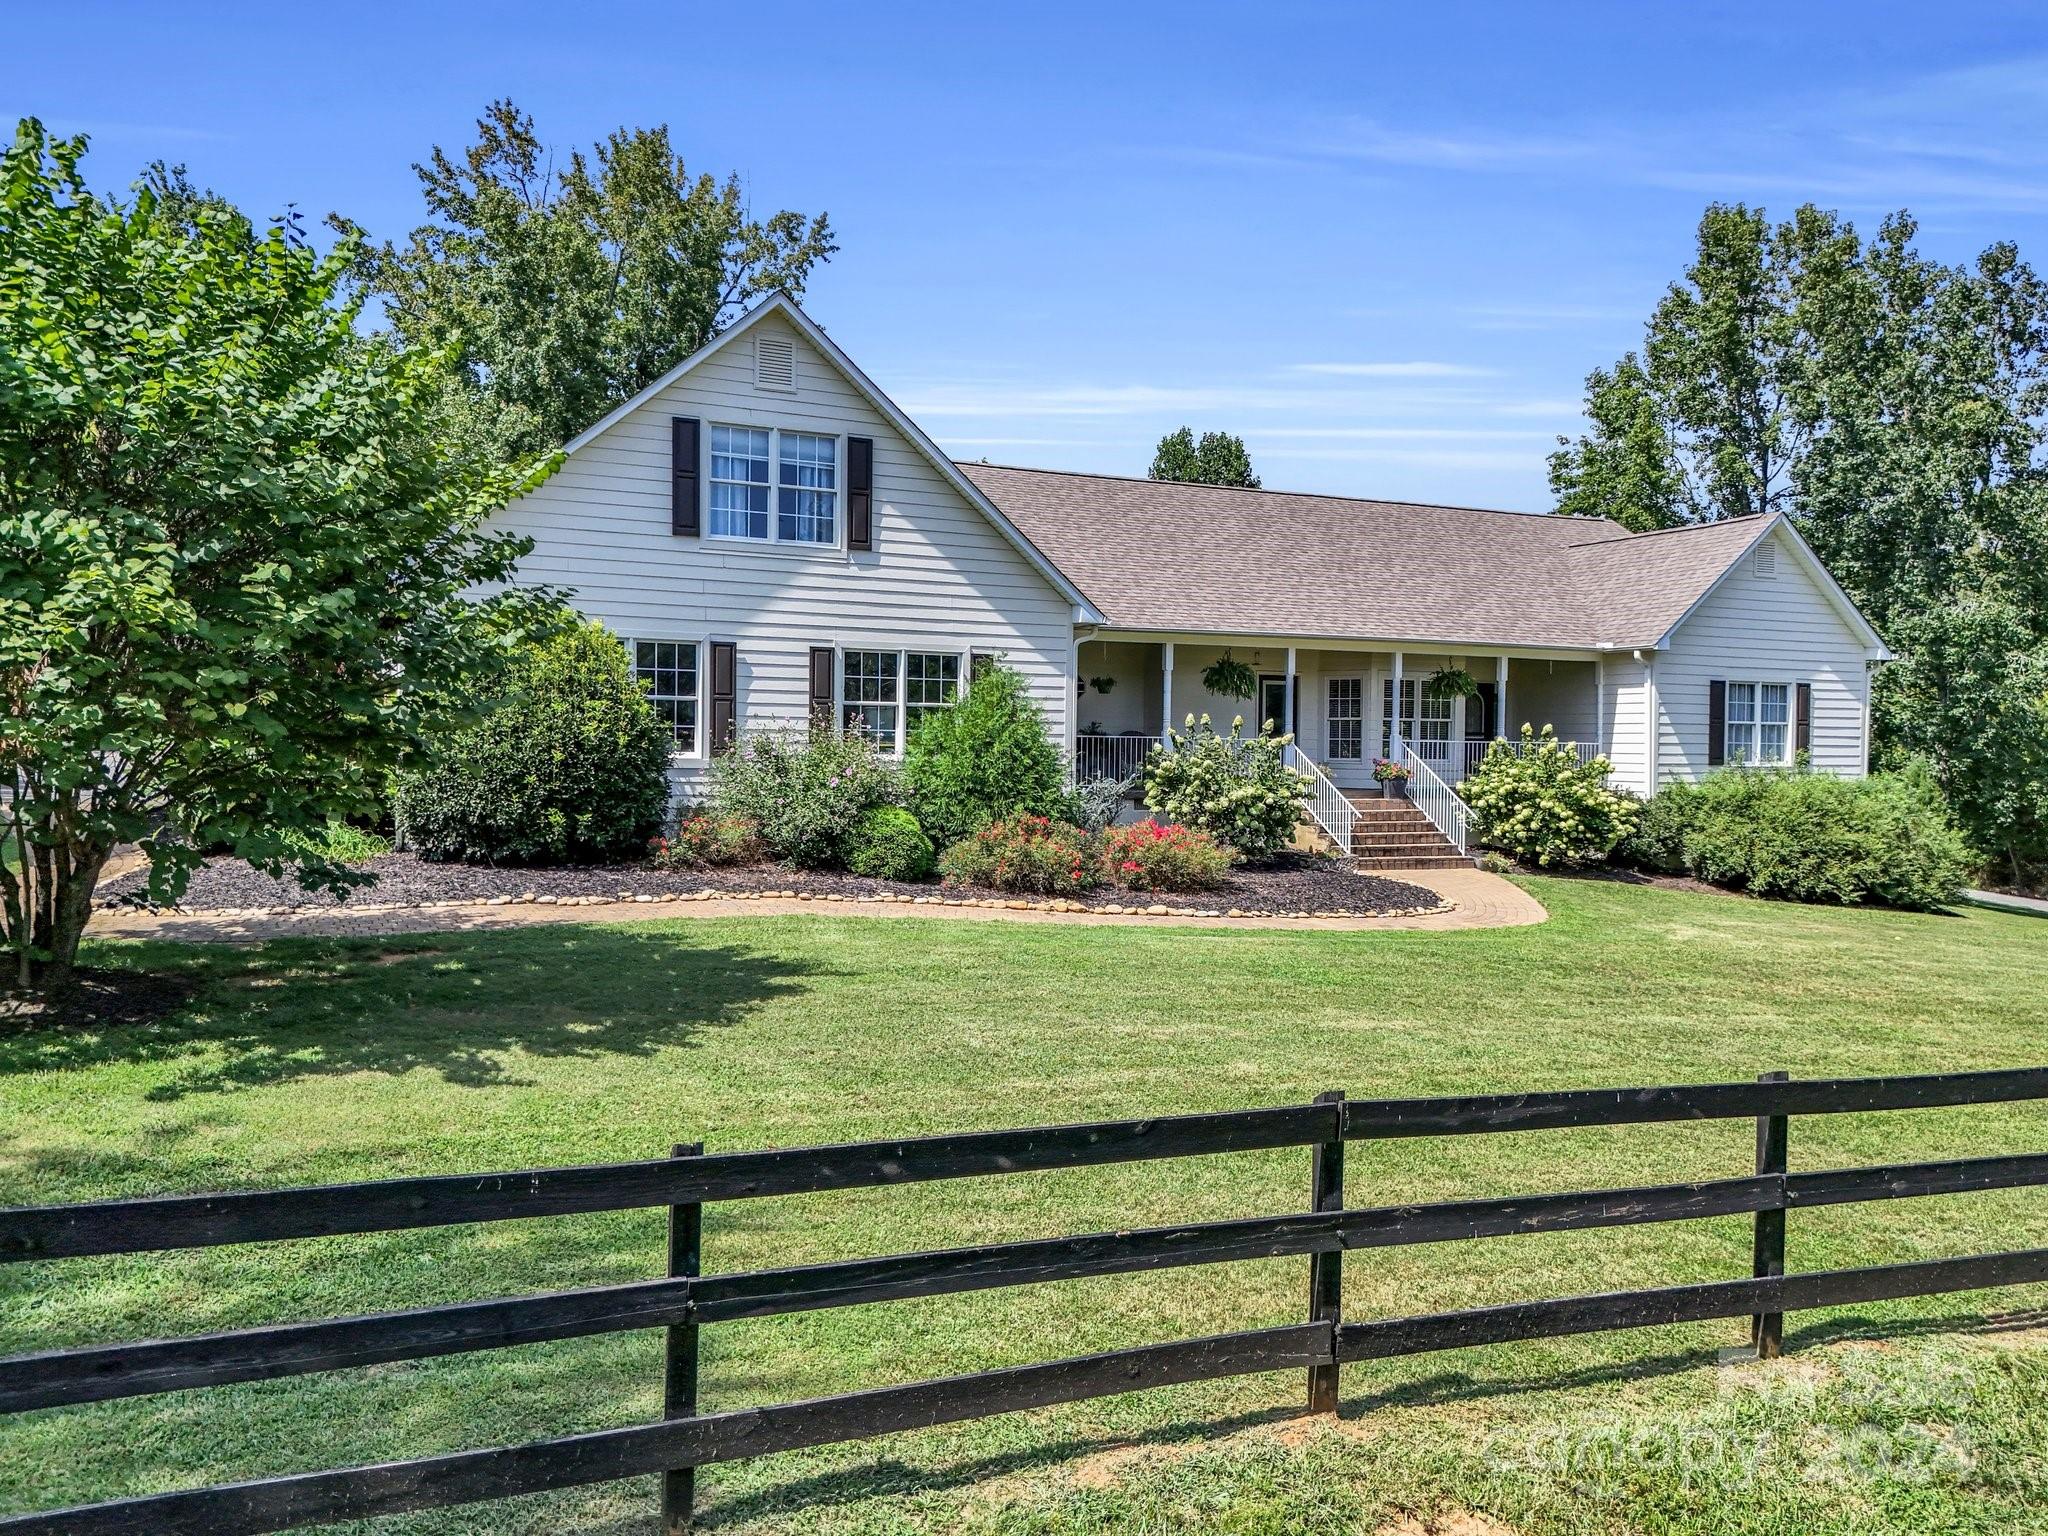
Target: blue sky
(1383, 242)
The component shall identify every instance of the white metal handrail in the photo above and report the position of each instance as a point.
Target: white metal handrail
(1328, 806)
(1117, 758)
(1435, 799)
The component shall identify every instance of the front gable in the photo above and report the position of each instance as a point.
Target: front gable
(941, 574)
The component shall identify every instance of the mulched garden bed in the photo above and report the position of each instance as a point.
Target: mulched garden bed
(1291, 884)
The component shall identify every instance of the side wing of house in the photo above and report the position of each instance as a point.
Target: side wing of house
(1734, 672)
(729, 569)
(1625, 712)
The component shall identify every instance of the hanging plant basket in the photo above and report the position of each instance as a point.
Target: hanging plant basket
(1229, 678)
(1452, 683)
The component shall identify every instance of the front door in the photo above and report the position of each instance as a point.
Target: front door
(1273, 705)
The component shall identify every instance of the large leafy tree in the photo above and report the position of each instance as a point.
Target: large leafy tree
(1897, 409)
(235, 551)
(1218, 459)
(564, 292)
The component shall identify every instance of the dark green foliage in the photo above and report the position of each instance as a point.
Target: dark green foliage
(566, 291)
(1897, 409)
(1969, 696)
(570, 768)
(237, 550)
(989, 756)
(888, 844)
(1218, 459)
(805, 793)
(1810, 837)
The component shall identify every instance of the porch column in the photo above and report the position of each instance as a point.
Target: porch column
(1166, 694)
(1394, 713)
(1500, 698)
(1599, 704)
(1287, 721)
(1073, 698)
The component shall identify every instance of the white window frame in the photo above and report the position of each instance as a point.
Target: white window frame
(1755, 724)
(1415, 690)
(902, 650)
(774, 540)
(701, 648)
(1331, 718)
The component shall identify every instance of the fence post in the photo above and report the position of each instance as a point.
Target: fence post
(1767, 1329)
(679, 1377)
(1326, 1270)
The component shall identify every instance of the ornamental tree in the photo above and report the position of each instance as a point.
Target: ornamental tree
(235, 549)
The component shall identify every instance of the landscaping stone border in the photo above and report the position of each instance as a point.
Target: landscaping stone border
(834, 898)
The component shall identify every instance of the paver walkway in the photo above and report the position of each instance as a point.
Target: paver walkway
(1482, 901)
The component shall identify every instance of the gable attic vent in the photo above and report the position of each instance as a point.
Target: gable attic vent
(1765, 560)
(775, 363)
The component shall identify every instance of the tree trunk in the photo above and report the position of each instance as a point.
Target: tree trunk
(72, 908)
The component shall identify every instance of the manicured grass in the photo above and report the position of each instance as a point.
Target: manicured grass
(315, 1060)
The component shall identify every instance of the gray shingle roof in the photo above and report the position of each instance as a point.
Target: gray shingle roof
(1154, 555)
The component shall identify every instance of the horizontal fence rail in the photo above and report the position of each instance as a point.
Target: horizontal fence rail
(685, 1301)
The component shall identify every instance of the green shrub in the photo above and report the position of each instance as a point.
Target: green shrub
(338, 843)
(806, 793)
(1236, 788)
(1025, 853)
(1813, 837)
(705, 839)
(1541, 803)
(570, 767)
(1148, 857)
(987, 757)
(1657, 841)
(888, 844)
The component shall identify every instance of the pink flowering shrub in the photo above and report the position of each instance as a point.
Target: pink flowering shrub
(1149, 857)
(708, 840)
(1025, 853)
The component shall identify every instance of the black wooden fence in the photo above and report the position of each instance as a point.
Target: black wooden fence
(686, 1300)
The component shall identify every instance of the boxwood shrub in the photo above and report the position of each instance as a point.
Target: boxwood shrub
(888, 844)
(1807, 836)
(570, 766)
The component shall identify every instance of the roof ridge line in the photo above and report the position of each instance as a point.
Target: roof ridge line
(1269, 490)
(1650, 533)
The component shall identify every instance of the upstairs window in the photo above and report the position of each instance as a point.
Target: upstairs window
(739, 483)
(808, 512)
(804, 480)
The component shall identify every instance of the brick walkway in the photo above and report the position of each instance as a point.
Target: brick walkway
(1481, 901)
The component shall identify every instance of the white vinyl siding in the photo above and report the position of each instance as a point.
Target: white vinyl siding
(1776, 629)
(940, 576)
(1625, 721)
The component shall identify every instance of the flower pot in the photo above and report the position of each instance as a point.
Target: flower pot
(1395, 789)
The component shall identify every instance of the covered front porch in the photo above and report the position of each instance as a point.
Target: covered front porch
(1344, 705)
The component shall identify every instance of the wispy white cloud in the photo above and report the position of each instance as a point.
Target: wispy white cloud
(1414, 370)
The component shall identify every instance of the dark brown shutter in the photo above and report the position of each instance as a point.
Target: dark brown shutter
(724, 693)
(979, 662)
(860, 493)
(1717, 723)
(821, 687)
(1802, 731)
(683, 517)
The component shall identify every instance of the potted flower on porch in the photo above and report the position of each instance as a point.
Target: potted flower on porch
(1391, 776)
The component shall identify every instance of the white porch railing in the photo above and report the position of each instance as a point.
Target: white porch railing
(1328, 806)
(1435, 799)
(1453, 761)
(1117, 758)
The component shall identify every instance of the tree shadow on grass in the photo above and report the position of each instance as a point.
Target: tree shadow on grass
(455, 1004)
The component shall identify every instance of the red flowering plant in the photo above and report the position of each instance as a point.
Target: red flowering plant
(1146, 856)
(707, 839)
(1025, 853)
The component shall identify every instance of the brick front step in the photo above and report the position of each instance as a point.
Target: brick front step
(1449, 859)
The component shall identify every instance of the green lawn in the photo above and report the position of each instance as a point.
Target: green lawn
(316, 1060)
